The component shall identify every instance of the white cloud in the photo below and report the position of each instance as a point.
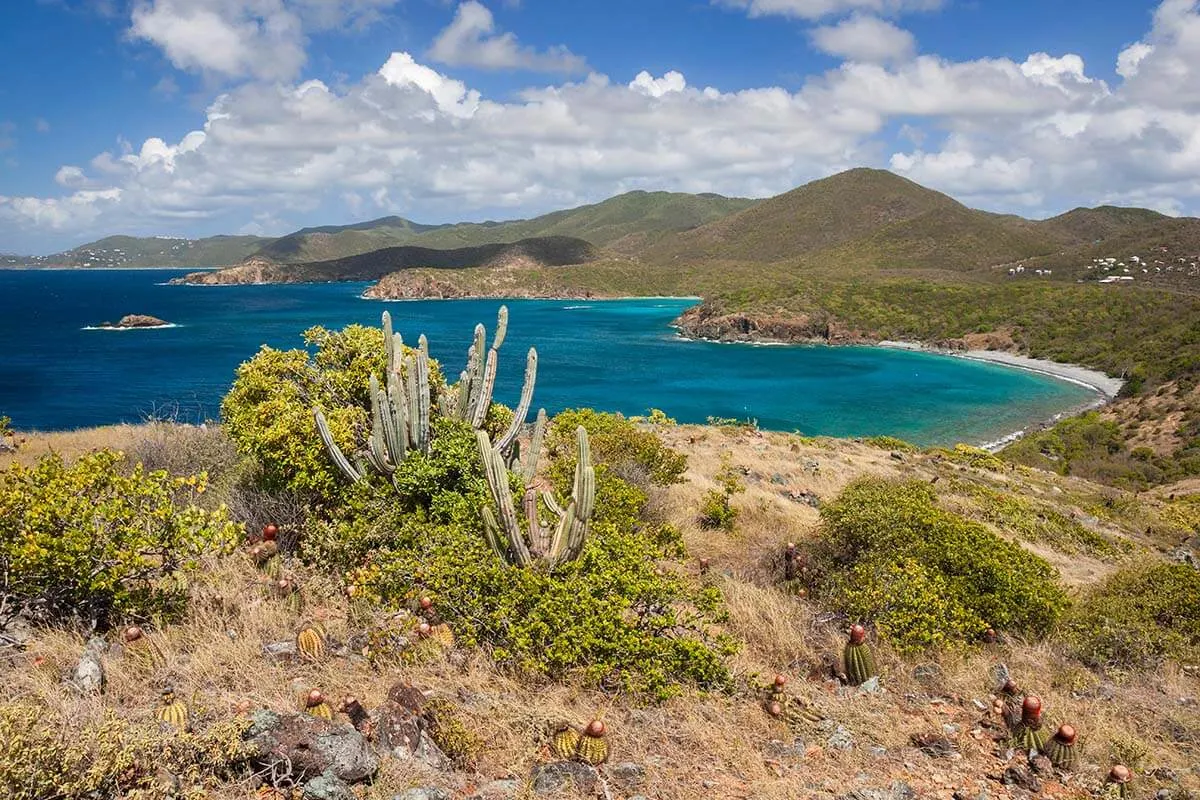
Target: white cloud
(647, 84)
(471, 40)
(1129, 58)
(70, 177)
(818, 9)
(244, 38)
(862, 37)
(1034, 134)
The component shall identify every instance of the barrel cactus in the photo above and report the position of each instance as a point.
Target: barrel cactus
(314, 704)
(310, 643)
(1061, 749)
(1030, 734)
(1117, 784)
(172, 712)
(859, 661)
(593, 747)
(564, 740)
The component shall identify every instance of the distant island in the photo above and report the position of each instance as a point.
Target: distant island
(131, 321)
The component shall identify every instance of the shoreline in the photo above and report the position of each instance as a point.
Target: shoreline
(606, 299)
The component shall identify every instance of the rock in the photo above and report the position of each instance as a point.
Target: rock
(778, 479)
(628, 776)
(999, 674)
(423, 793)
(88, 675)
(1041, 766)
(840, 739)
(934, 745)
(428, 753)
(280, 651)
(503, 789)
(303, 747)
(777, 750)
(559, 775)
(1023, 778)
(327, 786)
(870, 686)
(897, 791)
(928, 675)
(137, 321)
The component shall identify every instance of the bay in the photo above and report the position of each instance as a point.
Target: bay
(618, 355)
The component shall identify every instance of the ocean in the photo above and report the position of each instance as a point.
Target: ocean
(618, 355)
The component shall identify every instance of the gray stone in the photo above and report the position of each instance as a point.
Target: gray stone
(778, 479)
(428, 753)
(88, 675)
(870, 686)
(302, 747)
(777, 750)
(899, 790)
(1019, 776)
(279, 650)
(999, 674)
(424, 793)
(840, 739)
(627, 775)
(498, 790)
(559, 775)
(327, 786)
(928, 675)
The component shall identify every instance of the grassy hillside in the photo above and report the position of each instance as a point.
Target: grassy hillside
(549, 251)
(634, 216)
(135, 251)
(1087, 225)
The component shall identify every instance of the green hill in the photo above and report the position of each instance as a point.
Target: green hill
(139, 251)
(637, 217)
(1087, 225)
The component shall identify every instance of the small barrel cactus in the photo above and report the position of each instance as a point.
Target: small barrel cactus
(564, 741)
(592, 747)
(314, 703)
(1061, 748)
(1029, 734)
(132, 634)
(310, 643)
(859, 661)
(352, 708)
(1116, 785)
(1008, 704)
(288, 591)
(265, 555)
(270, 532)
(791, 562)
(172, 712)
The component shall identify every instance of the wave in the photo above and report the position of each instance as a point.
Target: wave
(572, 308)
(137, 328)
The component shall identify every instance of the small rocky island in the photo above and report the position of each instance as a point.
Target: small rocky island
(135, 321)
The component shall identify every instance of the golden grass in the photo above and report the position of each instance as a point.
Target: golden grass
(695, 745)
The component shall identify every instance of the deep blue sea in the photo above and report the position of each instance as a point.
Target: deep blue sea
(614, 355)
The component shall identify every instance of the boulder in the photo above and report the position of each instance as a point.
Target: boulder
(137, 321)
(303, 747)
(88, 675)
(558, 776)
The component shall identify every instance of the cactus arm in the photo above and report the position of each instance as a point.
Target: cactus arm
(423, 345)
(422, 421)
(539, 536)
(491, 531)
(335, 452)
(501, 327)
(522, 411)
(475, 365)
(529, 469)
(484, 400)
(391, 409)
(552, 504)
(378, 452)
(497, 481)
(388, 345)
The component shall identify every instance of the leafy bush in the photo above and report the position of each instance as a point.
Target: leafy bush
(100, 542)
(616, 441)
(1040, 523)
(891, 443)
(610, 618)
(927, 577)
(716, 512)
(42, 758)
(1137, 617)
(972, 457)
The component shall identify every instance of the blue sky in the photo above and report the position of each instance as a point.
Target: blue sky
(194, 117)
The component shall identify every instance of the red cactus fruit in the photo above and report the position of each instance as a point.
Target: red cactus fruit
(315, 698)
(775, 710)
(424, 629)
(704, 565)
(595, 729)
(270, 531)
(1119, 774)
(858, 634)
(1010, 687)
(1066, 734)
(780, 681)
(132, 634)
(426, 602)
(989, 636)
(1031, 710)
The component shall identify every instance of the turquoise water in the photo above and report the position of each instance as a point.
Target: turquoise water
(616, 355)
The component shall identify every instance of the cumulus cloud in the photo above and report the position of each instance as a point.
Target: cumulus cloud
(862, 37)
(244, 38)
(1036, 134)
(818, 9)
(471, 40)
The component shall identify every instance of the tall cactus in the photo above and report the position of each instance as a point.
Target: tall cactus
(402, 406)
(551, 544)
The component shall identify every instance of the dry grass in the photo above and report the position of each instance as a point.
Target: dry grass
(692, 746)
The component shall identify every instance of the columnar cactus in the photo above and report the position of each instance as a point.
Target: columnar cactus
(552, 544)
(1029, 734)
(860, 663)
(1061, 748)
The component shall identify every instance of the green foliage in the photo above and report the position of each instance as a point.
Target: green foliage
(924, 576)
(1036, 522)
(635, 454)
(102, 542)
(41, 758)
(891, 443)
(452, 734)
(1138, 617)
(972, 457)
(609, 618)
(716, 511)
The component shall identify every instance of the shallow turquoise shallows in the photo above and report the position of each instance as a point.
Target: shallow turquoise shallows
(616, 355)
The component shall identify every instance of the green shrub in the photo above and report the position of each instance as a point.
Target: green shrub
(972, 457)
(1039, 523)
(611, 618)
(100, 542)
(269, 410)
(1137, 617)
(716, 511)
(616, 441)
(924, 576)
(891, 443)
